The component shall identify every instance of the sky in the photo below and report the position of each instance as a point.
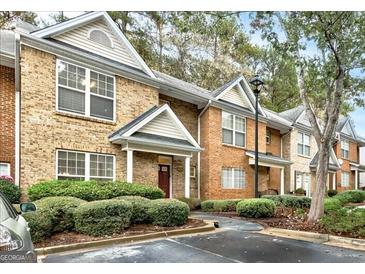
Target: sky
(358, 115)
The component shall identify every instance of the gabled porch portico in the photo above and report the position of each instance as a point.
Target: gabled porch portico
(159, 132)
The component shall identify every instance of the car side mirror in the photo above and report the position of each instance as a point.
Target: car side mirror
(27, 207)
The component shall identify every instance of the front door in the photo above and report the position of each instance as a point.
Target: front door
(164, 179)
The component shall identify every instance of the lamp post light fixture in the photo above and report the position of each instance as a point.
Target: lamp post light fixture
(257, 83)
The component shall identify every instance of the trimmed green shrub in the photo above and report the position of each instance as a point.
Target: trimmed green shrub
(290, 200)
(92, 190)
(332, 204)
(351, 196)
(40, 224)
(168, 212)
(331, 192)
(207, 205)
(61, 210)
(193, 203)
(220, 205)
(140, 208)
(299, 191)
(101, 218)
(256, 208)
(10, 190)
(345, 221)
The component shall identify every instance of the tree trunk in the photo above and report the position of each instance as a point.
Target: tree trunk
(317, 204)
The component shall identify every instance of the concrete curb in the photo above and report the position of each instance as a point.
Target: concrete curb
(353, 243)
(122, 240)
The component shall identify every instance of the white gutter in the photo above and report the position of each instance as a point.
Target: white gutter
(199, 116)
(17, 109)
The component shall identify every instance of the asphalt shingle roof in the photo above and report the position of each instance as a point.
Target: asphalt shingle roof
(293, 113)
(314, 163)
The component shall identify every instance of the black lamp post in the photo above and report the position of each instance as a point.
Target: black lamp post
(257, 83)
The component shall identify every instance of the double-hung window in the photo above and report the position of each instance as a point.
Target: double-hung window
(345, 179)
(345, 148)
(303, 144)
(85, 92)
(74, 165)
(233, 178)
(233, 129)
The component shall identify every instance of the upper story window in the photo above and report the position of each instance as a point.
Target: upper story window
(233, 130)
(85, 92)
(345, 148)
(304, 144)
(100, 37)
(268, 136)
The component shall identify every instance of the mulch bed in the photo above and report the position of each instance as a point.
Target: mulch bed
(64, 238)
(286, 219)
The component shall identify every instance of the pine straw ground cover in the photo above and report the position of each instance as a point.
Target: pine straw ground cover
(72, 237)
(288, 218)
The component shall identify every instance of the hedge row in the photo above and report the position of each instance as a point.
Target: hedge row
(351, 196)
(256, 208)
(220, 205)
(103, 217)
(289, 200)
(92, 190)
(9, 189)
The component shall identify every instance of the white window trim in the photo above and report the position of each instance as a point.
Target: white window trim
(342, 181)
(234, 130)
(87, 165)
(232, 178)
(348, 150)
(268, 137)
(194, 172)
(87, 92)
(300, 143)
(8, 166)
(107, 34)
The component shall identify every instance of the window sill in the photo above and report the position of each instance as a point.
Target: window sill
(304, 156)
(90, 119)
(233, 146)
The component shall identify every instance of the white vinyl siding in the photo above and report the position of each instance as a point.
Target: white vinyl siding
(4, 169)
(303, 144)
(76, 165)
(233, 130)
(163, 125)
(345, 179)
(80, 38)
(234, 96)
(233, 178)
(345, 148)
(85, 92)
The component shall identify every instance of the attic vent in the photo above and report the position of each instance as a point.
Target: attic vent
(100, 37)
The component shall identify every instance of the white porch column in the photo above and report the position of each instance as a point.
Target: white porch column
(282, 181)
(187, 177)
(356, 179)
(129, 166)
(334, 181)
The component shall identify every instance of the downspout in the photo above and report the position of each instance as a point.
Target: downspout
(200, 114)
(17, 109)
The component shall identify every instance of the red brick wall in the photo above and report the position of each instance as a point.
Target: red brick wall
(7, 117)
(217, 155)
(275, 148)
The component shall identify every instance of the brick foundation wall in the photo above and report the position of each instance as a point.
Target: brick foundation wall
(7, 117)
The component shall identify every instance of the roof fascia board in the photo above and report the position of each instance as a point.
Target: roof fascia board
(221, 94)
(161, 144)
(250, 91)
(351, 128)
(246, 97)
(65, 26)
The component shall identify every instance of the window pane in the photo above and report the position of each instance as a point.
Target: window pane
(4, 170)
(70, 163)
(240, 139)
(101, 84)
(71, 100)
(306, 139)
(307, 150)
(227, 120)
(238, 178)
(101, 107)
(300, 149)
(227, 136)
(101, 166)
(240, 124)
(226, 178)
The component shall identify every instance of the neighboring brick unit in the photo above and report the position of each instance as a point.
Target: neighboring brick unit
(7, 117)
(217, 155)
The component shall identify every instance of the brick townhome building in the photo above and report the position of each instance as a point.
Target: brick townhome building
(77, 101)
